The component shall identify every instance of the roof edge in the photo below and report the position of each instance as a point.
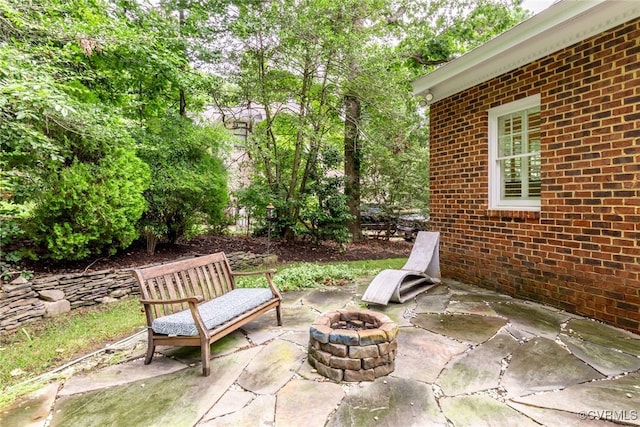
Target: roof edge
(561, 25)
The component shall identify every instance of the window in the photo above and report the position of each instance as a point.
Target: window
(514, 155)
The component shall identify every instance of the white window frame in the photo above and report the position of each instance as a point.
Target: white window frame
(495, 182)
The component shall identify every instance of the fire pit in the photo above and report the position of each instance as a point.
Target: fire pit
(352, 345)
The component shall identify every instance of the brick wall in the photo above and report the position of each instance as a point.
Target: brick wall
(581, 252)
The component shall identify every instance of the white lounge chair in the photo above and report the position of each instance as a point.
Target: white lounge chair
(420, 272)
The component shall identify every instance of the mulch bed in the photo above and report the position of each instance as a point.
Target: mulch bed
(296, 251)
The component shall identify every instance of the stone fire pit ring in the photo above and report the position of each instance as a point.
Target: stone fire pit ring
(353, 345)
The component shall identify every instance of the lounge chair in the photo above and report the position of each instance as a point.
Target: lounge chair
(421, 272)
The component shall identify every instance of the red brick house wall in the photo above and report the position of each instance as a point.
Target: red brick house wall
(581, 252)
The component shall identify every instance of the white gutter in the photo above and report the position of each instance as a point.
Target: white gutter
(561, 25)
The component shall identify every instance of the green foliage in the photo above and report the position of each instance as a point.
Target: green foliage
(325, 215)
(308, 275)
(437, 32)
(88, 209)
(69, 167)
(77, 79)
(303, 60)
(188, 183)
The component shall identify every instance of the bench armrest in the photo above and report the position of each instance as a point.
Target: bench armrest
(267, 274)
(193, 308)
(253, 273)
(195, 299)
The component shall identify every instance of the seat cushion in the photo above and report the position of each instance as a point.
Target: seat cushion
(213, 313)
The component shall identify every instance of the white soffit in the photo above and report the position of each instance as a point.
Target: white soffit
(563, 24)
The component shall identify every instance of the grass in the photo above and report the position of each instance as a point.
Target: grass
(40, 347)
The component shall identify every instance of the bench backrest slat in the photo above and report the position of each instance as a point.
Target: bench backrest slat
(225, 277)
(215, 280)
(209, 276)
(204, 277)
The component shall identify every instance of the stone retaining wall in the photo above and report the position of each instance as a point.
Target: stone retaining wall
(23, 301)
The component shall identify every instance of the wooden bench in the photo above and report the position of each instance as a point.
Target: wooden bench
(195, 302)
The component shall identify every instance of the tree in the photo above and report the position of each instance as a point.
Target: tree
(189, 186)
(346, 68)
(84, 84)
(68, 164)
(383, 76)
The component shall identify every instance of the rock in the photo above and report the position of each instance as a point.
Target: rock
(19, 281)
(54, 308)
(51, 295)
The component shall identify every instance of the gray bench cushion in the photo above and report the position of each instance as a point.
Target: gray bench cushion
(213, 313)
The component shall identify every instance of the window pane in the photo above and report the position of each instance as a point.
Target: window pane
(511, 177)
(534, 176)
(510, 134)
(533, 136)
(504, 136)
(505, 146)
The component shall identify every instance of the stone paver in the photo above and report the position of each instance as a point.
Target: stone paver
(434, 301)
(273, 368)
(552, 417)
(399, 313)
(422, 355)
(297, 318)
(615, 399)
(119, 375)
(177, 399)
(295, 395)
(607, 360)
(541, 364)
(467, 327)
(466, 356)
(389, 402)
(327, 300)
(535, 319)
(231, 401)
(479, 369)
(475, 303)
(480, 411)
(300, 338)
(597, 333)
(259, 412)
(32, 410)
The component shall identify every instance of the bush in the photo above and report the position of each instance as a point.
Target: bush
(188, 181)
(71, 183)
(91, 209)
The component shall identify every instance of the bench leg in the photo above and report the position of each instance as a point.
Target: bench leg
(151, 348)
(205, 349)
(279, 315)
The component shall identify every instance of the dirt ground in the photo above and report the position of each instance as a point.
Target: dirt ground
(370, 248)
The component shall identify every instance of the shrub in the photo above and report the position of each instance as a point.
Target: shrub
(188, 181)
(89, 209)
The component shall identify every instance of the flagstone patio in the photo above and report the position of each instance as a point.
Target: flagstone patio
(466, 357)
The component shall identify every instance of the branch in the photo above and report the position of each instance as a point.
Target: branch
(419, 58)
(394, 17)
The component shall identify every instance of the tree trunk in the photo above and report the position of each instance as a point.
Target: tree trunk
(352, 160)
(183, 96)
